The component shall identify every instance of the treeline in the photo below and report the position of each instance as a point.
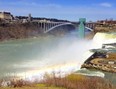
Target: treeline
(41, 18)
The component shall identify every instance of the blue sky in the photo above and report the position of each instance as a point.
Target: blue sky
(62, 9)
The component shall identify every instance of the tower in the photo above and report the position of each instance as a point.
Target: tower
(81, 32)
(29, 17)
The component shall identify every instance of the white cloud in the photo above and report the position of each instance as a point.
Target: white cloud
(48, 6)
(105, 4)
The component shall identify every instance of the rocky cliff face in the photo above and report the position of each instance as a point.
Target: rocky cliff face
(19, 30)
(105, 28)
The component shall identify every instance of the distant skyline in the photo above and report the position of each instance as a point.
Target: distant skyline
(62, 9)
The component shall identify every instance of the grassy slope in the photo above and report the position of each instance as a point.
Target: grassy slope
(73, 81)
(33, 88)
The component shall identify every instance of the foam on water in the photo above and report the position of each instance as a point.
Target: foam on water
(103, 38)
(87, 72)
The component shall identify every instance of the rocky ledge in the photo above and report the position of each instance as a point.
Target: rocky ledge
(110, 67)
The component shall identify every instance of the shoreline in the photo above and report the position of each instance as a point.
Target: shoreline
(101, 61)
(71, 81)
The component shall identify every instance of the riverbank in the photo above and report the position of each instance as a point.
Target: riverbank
(72, 81)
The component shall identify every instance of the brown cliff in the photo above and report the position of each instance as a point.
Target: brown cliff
(18, 30)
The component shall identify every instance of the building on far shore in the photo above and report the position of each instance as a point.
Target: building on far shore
(6, 16)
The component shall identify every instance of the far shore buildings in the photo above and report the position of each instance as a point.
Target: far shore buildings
(6, 16)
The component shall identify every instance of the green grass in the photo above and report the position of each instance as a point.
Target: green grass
(34, 87)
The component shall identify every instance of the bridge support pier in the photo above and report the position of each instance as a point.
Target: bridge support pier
(81, 31)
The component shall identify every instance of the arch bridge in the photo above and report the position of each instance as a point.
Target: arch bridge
(48, 26)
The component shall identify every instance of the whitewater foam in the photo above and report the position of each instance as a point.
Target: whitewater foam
(87, 72)
(103, 38)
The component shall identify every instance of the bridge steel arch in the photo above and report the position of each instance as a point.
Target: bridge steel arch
(49, 26)
(58, 25)
(62, 24)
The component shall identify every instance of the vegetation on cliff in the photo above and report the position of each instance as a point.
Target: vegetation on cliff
(105, 26)
(18, 30)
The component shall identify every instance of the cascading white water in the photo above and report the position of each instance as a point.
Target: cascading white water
(103, 38)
